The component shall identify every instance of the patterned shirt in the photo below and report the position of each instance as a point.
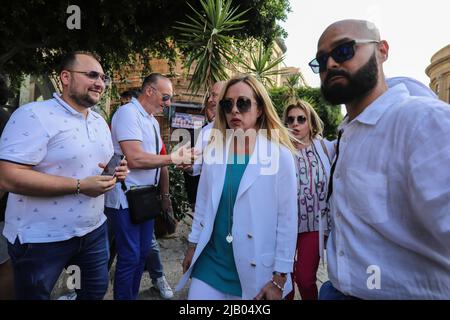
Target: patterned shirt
(312, 190)
(55, 139)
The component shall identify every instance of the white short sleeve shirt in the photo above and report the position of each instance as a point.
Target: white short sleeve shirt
(131, 122)
(55, 139)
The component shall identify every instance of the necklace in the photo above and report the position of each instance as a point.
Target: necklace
(229, 237)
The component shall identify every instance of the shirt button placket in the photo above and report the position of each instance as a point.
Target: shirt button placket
(90, 130)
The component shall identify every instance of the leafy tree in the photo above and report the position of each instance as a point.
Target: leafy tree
(34, 34)
(330, 114)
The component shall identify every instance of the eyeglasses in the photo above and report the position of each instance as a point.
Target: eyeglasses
(341, 53)
(300, 119)
(165, 97)
(94, 75)
(243, 104)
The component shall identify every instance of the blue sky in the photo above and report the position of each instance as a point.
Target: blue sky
(415, 30)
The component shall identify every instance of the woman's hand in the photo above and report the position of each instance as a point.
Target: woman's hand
(188, 258)
(273, 289)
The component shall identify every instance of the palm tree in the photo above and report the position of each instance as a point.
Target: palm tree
(292, 83)
(261, 64)
(206, 40)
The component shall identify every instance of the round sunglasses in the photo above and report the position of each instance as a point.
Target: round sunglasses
(300, 119)
(243, 104)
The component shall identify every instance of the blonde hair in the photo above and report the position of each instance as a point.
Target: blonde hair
(314, 122)
(268, 120)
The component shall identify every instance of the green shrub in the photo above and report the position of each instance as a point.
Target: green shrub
(180, 202)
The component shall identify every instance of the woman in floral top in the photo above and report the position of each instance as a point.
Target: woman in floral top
(313, 168)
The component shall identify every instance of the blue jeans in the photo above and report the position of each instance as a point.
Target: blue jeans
(328, 292)
(153, 262)
(37, 266)
(133, 242)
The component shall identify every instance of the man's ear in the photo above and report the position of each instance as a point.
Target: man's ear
(149, 91)
(65, 77)
(383, 49)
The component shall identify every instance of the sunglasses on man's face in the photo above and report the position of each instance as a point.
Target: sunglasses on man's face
(164, 97)
(94, 75)
(242, 104)
(341, 53)
(300, 119)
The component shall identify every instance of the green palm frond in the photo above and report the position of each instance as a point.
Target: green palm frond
(262, 65)
(205, 38)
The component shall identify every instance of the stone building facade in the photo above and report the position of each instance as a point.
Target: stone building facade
(439, 73)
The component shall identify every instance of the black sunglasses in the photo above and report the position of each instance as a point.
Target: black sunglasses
(165, 97)
(243, 104)
(341, 53)
(300, 119)
(94, 75)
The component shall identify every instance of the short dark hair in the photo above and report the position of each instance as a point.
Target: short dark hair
(68, 60)
(152, 78)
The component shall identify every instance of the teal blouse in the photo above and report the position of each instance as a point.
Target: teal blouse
(215, 265)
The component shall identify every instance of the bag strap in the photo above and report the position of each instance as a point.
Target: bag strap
(324, 147)
(157, 152)
(123, 185)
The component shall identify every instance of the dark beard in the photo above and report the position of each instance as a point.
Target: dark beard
(83, 99)
(359, 84)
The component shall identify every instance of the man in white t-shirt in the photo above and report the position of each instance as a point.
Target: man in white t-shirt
(389, 186)
(51, 157)
(136, 134)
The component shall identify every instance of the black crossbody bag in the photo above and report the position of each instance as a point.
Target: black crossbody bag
(144, 202)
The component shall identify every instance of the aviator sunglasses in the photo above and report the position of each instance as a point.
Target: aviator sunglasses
(341, 53)
(300, 119)
(242, 104)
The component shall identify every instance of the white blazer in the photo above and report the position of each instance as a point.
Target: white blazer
(264, 216)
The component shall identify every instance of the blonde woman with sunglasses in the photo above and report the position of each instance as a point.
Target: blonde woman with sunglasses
(313, 168)
(242, 242)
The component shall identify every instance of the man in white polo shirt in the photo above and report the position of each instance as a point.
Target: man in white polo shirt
(52, 154)
(136, 134)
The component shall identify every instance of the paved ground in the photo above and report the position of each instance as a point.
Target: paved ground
(172, 254)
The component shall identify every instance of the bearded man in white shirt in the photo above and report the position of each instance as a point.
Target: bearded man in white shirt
(390, 183)
(52, 154)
